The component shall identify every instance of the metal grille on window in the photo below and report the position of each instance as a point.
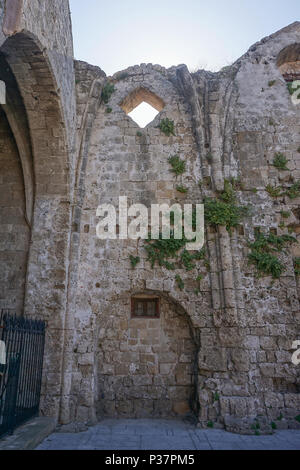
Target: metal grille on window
(145, 308)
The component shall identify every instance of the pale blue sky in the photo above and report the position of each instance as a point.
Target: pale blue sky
(202, 34)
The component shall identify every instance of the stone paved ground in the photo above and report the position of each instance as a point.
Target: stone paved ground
(147, 434)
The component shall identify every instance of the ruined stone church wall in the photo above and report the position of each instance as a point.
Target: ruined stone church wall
(222, 345)
(228, 125)
(259, 121)
(267, 123)
(125, 160)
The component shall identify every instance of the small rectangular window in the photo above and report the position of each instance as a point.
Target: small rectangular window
(145, 307)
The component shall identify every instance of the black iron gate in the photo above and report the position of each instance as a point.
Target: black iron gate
(22, 343)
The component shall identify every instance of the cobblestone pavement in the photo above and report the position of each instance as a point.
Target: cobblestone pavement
(144, 434)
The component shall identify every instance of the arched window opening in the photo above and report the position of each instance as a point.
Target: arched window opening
(142, 106)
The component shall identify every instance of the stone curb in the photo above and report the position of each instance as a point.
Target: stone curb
(30, 435)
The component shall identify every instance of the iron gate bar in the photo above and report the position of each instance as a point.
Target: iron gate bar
(20, 384)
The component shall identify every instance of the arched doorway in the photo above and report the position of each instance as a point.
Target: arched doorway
(146, 361)
(14, 229)
(16, 194)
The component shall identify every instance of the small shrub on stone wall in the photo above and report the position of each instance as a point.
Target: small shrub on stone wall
(224, 210)
(285, 214)
(280, 162)
(274, 191)
(181, 189)
(178, 165)
(263, 251)
(134, 261)
(294, 191)
(107, 91)
(167, 127)
(180, 282)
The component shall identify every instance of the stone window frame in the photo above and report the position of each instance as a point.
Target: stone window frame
(141, 95)
(145, 300)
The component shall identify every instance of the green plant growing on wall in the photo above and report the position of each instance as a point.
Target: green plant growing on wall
(297, 418)
(236, 183)
(134, 261)
(139, 134)
(107, 91)
(285, 214)
(274, 191)
(255, 426)
(263, 253)
(228, 194)
(280, 162)
(178, 165)
(200, 255)
(209, 157)
(210, 424)
(294, 191)
(182, 189)
(161, 251)
(224, 210)
(179, 282)
(187, 260)
(297, 266)
(167, 252)
(271, 83)
(108, 110)
(167, 127)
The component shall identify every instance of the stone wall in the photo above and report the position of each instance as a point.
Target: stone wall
(36, 47)
(222, 347)
(227, 125)
(124, 162)
(145, 366)
(14, 230)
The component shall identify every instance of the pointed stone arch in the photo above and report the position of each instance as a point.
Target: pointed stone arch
(140, 95)
(142, 106)
(154, 372)
(17, 118)
(47, 273)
